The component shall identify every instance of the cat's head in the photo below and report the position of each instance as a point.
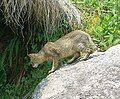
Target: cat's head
(34, 60)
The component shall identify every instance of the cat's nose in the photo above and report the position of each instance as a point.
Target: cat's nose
(35, 65)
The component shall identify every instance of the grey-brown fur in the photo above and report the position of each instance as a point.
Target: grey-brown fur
(73, 43)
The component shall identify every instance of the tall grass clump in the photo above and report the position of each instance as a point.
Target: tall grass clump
(38, 21)
(25, 26)
(45, 16)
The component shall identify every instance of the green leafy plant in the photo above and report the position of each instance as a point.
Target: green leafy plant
(101, 20)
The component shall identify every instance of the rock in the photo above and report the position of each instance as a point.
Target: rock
(96, 78)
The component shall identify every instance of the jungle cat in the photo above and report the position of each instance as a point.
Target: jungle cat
(73, 43)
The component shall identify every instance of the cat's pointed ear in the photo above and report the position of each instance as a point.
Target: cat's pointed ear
(30, 55)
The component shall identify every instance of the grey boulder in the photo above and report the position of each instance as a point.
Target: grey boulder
(96, 78)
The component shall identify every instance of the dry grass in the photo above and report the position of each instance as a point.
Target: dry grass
(45, 15)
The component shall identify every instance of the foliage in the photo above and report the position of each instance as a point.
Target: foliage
(100, 19)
